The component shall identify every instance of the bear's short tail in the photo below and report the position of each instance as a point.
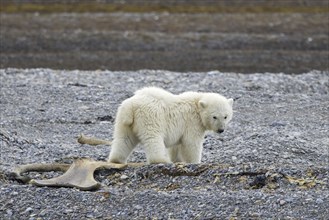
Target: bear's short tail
(82, 139)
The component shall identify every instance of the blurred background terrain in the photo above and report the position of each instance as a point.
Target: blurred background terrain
(290, 36)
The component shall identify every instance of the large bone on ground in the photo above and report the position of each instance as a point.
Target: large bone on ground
(37, 167)
(79, 175)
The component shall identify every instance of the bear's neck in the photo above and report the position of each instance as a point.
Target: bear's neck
(191, 99)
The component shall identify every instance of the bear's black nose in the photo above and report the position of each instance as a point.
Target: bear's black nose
(220, 130)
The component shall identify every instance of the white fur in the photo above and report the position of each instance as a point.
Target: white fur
(170, 127)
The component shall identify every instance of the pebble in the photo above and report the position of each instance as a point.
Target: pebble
(9, 212)
(28, 210)
(319, 201)
(90, 215)
(277, 124)
(286, 156)
(124, 177)
(138, 207)
(254, 214)
(289, 199)
(66, 211)
(282, 202)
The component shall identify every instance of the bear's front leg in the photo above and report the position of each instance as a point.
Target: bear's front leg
(175, 153)
(155, 150)
(191, 151)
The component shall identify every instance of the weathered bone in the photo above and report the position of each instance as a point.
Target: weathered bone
(82, 139)
(38, 167)
(80, 174)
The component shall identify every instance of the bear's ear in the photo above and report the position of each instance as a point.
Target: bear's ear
(202, 104)
(230, 101)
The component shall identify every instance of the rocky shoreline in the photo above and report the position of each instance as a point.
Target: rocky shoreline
(272, 162)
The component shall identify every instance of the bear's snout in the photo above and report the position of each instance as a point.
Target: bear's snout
(220, 131)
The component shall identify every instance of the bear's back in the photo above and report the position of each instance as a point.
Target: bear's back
(156, 93)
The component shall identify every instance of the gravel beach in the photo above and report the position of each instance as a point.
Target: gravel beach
(271, 162)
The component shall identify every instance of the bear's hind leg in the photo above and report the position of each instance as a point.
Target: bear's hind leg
(156, 151)
(123, 144)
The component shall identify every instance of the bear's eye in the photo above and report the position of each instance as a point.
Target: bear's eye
(225, 117)
(214, 117)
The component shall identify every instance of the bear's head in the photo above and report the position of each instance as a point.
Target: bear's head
(215, 111)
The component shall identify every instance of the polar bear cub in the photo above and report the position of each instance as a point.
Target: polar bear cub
(170, 127)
